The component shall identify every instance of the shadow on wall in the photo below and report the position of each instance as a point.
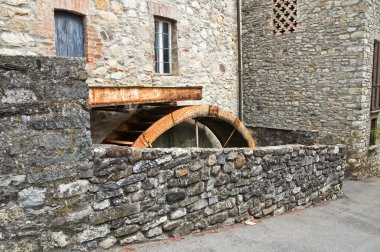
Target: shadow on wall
(103, 122)
(275, 137)
(184, 136)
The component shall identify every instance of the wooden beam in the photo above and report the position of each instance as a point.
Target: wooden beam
(117, 96)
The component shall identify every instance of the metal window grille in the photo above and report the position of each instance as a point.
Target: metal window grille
(284, 16)
(375, 97)
(163, 46)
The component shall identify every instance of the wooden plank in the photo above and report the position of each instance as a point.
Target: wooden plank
(119, 142)
(60, 34)
(69, 38)
(75, 45)
(118, 96)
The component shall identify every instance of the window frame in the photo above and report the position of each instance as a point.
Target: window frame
(375, 88)
(159, 63)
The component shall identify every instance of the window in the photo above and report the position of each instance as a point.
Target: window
(163, 46)
(375, 99)
(374, 132)
(284, 16)
(69, 39)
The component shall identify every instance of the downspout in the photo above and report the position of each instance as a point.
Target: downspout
(240, 76)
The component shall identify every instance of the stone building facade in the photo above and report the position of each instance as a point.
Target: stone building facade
(59, 192)
(307, 65)
(119, 41)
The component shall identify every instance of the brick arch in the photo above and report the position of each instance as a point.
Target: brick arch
(78, 6)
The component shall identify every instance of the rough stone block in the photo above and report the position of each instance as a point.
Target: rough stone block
(108, 243)
(178, 213)
(32, 196)
(184, 229)
(132, 239)
(93, 233)
(154, 223)
(114, 213)
(196, 189)
(218, 218)
(181, 172)
(154, 232)
(73, 189)
(127, 230)
(269, 210)
(174, 197)
(170, 225)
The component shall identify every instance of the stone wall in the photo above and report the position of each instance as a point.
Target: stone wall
(45, 141)
(141, 195)
(57, 192)
(316, 78)
(161, 193)
(119, 41)
(274, 137)
(373, 161)
(372, 34)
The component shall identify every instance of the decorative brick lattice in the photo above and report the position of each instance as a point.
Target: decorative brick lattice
(284, 16)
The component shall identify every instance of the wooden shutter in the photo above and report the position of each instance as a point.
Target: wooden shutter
(69, 41)
(375, 99)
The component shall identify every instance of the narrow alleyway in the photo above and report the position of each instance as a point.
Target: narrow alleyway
(348, 224)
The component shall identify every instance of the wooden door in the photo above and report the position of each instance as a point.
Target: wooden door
(69, 39)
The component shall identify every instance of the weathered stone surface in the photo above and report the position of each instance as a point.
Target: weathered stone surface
(222, 179)
(269, 210)
(127, 230)
(154, 232)
(32, 196)
(101, 205)
(132, 179)
(196, 189)
(101, 195)
(184, 229)
(14, 2)
(170, 225)
(211, 160)
(59, 239)
(92, 233)
(314, 116)
(16, 39)
(178, 213)
(240, 161)
(108, 243)
(114, 213)
(133, 238)
(218, 218)
(73, 217)
(199, 205)
(181, 172)
(174, 197)
(73, 189)
(164, 160)
(102, 4)
(154, 223)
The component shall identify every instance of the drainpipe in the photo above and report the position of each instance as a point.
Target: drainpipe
(240, 76)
